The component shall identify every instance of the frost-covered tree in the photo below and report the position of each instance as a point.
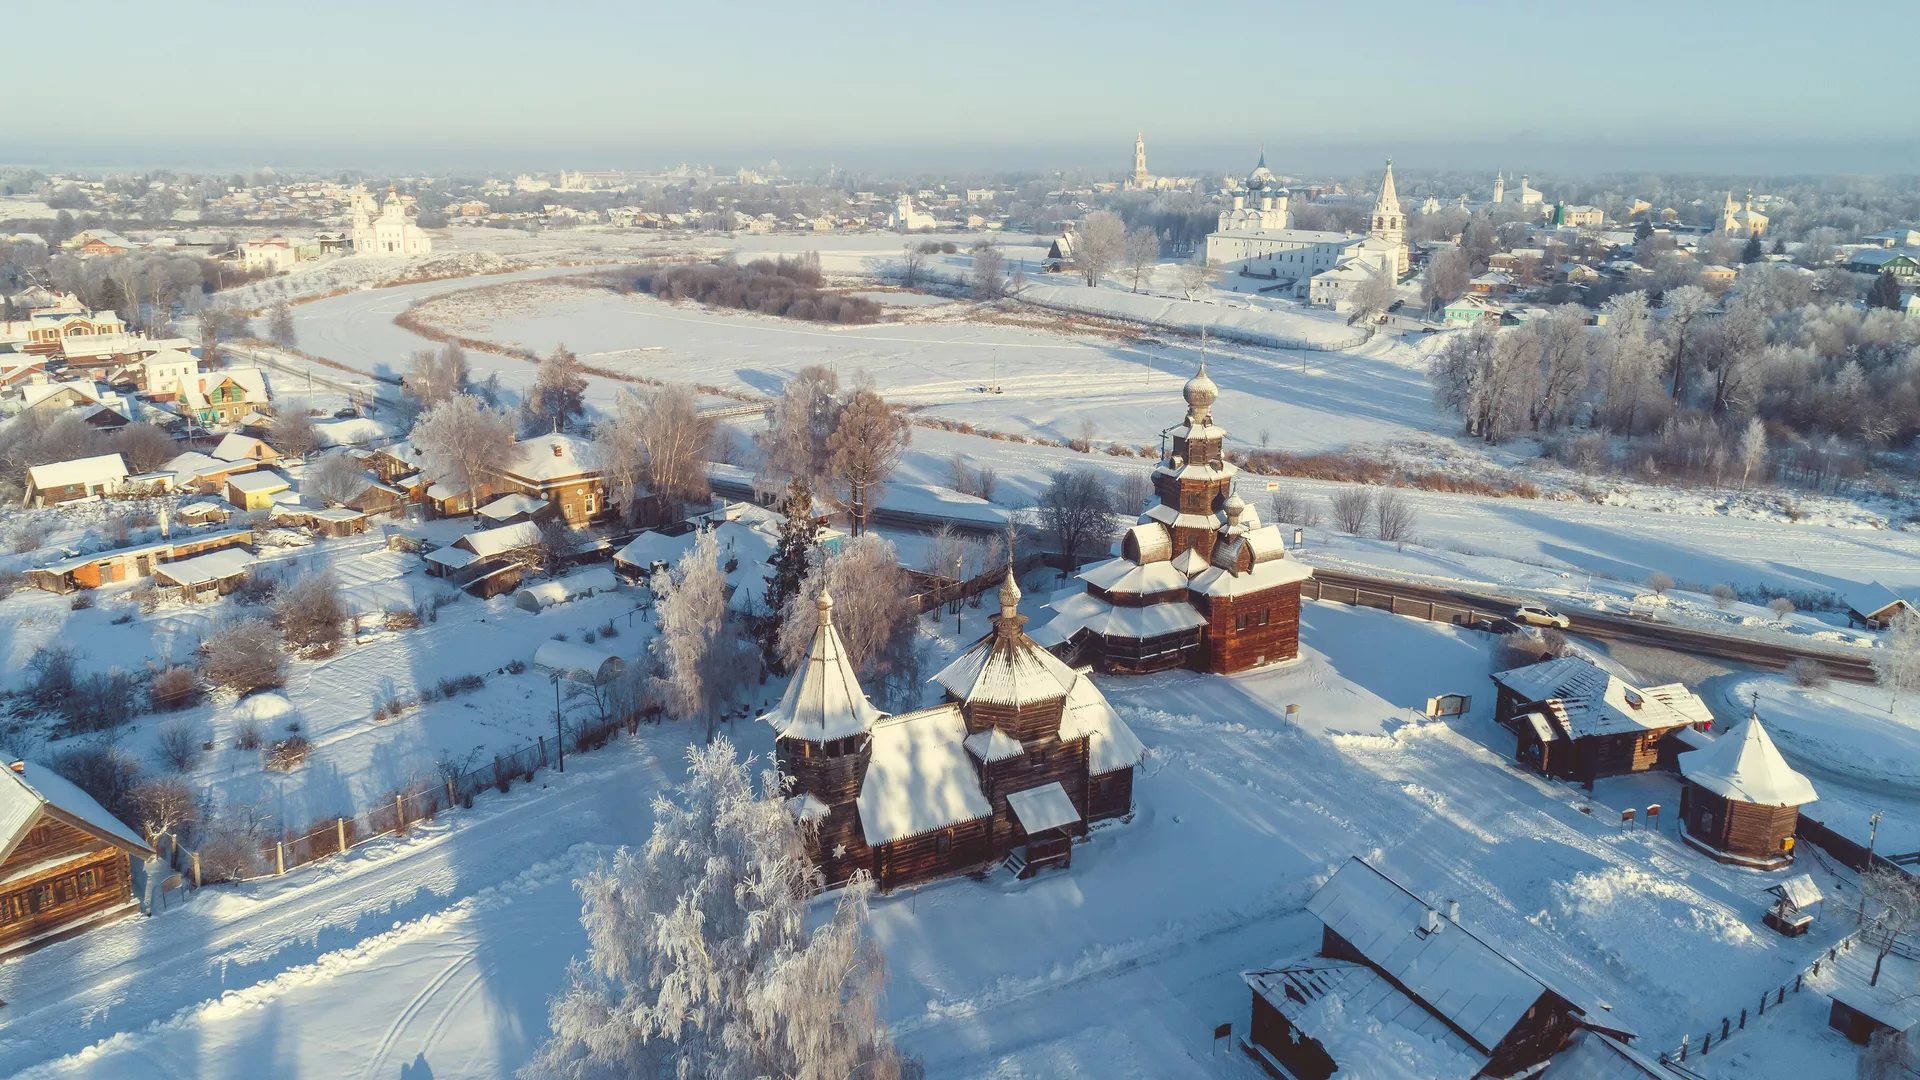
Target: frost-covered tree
(1372, 297)
(792, 554)
(1753, 450)
(280, 324)
(436, 375)
(988, 276)
(1099, 245)
(699, 963)
(558, 394)
(1447, 277)
(1196, 275)
(1138, 254)
(706, 663)
(864, 449)
(310, 611)
(333, 479)
(1896, 663)
(1685, 320)
(244, 656)
(1076, 508)
(1890, 1055)
(799, 425)
(293, 435)
(873, 613)
(1627, 363)
(654, 443)
(465, 442)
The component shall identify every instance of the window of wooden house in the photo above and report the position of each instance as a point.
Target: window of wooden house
(1263, 615)
(944, 845)
(1240, 621)
(1036, 758)
(85, 882)
(12, 907)
(43, 896)
(590, 502)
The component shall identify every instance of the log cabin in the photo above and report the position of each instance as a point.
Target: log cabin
(1012, 769)
(1393, 970)
(1199, 582)
(64, 861)
(1577, 722)
(1741, 801)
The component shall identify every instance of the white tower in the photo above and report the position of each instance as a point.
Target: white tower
(1500, 187)
(1140, 175)
(1389, 223)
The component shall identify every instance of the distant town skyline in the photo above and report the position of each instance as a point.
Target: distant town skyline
(434, 85)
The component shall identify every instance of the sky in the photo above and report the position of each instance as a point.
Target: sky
(432, 84)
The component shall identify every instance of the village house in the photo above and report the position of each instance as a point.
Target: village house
(1025, 754)
(50, 329)
(255, 490)
(204, 473)
(81, 478)
(219, 572)
(485, 554)
(1472, 310)
(224, 397)
(1577, 722)
(245, 448)
(1741, 801)
(1200, 582)
(65, 863)
(100, 242)
(1873, 606)
(1395, 975)
(162, 374)
(130, 563)
(555, 468)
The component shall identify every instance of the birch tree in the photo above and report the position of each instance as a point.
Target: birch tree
(799, 425)
(1196, 276)
(1099, 245)
(558, 394)
(1753, 450)
(1139, 253)
(699, 963)
(702, 655)
(1896, 663)
(280, 325)
(436, 375)
(988, 276)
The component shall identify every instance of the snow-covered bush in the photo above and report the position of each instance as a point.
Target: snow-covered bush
(1724, 595)
(288, 754)
(246, 735)
(1809, 673)
(107, 773)
(1351, 509)
(51, 673)
(245, 656)
(311, 613)
(175, 687)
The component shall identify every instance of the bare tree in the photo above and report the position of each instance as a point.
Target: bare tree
(294, 434)
(1393, 516)
(912, 264)
(1686, 308)
(1446, 279)
(310, 611)
(1781, 608)
(1351, 508)
(436, 375)
(1890, 1055)
(655, 443)
(865, 448)
(161, 807)
(986, 480)
(333, 479)
(1753, 450)
(1895, 896)
(1139, 253)
(871, 611)
(989, 274)
(280, 325)
(465, 442)
(1659, 581)
(1196, 276)
(1565, 367)
(1099, 245)
(1077, 508)
(245, 656)
(144, 446)
(558, 394)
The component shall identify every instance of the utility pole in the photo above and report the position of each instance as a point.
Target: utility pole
(559, 730)
(1873, 834)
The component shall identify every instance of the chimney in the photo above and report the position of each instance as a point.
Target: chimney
(163, 523)
(19, 767)
(1430, 921)
(556, 448)
(1453, 912)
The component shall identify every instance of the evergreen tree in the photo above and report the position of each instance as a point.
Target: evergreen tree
(1751, 253)
(1779, 246)
(789, 561)
(1643, 230)
(1885, 292)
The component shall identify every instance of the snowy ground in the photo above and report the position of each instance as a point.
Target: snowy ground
(432, 956)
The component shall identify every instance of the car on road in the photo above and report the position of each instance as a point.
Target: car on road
(1540, 615)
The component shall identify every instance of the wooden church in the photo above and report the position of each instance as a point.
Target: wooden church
(1023, 756)
(1741, 801)
(1200, 582)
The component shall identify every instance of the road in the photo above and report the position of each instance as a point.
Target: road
(1465, 606)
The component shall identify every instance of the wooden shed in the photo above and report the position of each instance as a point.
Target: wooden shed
(1574, 721)
(1873, 606)
(220, 572)
(64, 861)
(1741, 800)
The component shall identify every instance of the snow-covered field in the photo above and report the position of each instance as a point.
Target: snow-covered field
(432, 956)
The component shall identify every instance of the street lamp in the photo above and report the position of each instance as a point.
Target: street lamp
(559, 729)
(1873, 834)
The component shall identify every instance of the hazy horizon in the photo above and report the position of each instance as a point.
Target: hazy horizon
(435, 87)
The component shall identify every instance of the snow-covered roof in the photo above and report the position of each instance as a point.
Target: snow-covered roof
(1215, 582)
(237, 447)
(102, 469)
(1798, 890)
(511, 506)
(1124, 576)
(205, 569)
(1743, 766)
(1319, 995)
(1595, 1055)
(490, 542)
(550, 457)
(1873, 599)
(1042, 808)
(578, 662)
(1006, 669)
(992, 744)
(824, 700)
(919, 777)
(1111, 744)
(1151, 541)
(1172, 517)
(1480, 990)
(251, 381)
(262, 482)
(1084, 611)
(352, 431)
(24, 794)
(595, 579)
(34, 395)
(453, 558)
(1589, 701)
(653, 547)
(1190, 562)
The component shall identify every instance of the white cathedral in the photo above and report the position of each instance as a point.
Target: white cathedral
(1255, 239)
(390, 235)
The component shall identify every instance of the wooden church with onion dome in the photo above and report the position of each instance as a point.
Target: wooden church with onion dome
(1023, 756)
(1741, 801)
(1200, 582)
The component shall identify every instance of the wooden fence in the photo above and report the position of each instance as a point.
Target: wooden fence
(1774, 997)
(219, 861)
(1432, 610)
